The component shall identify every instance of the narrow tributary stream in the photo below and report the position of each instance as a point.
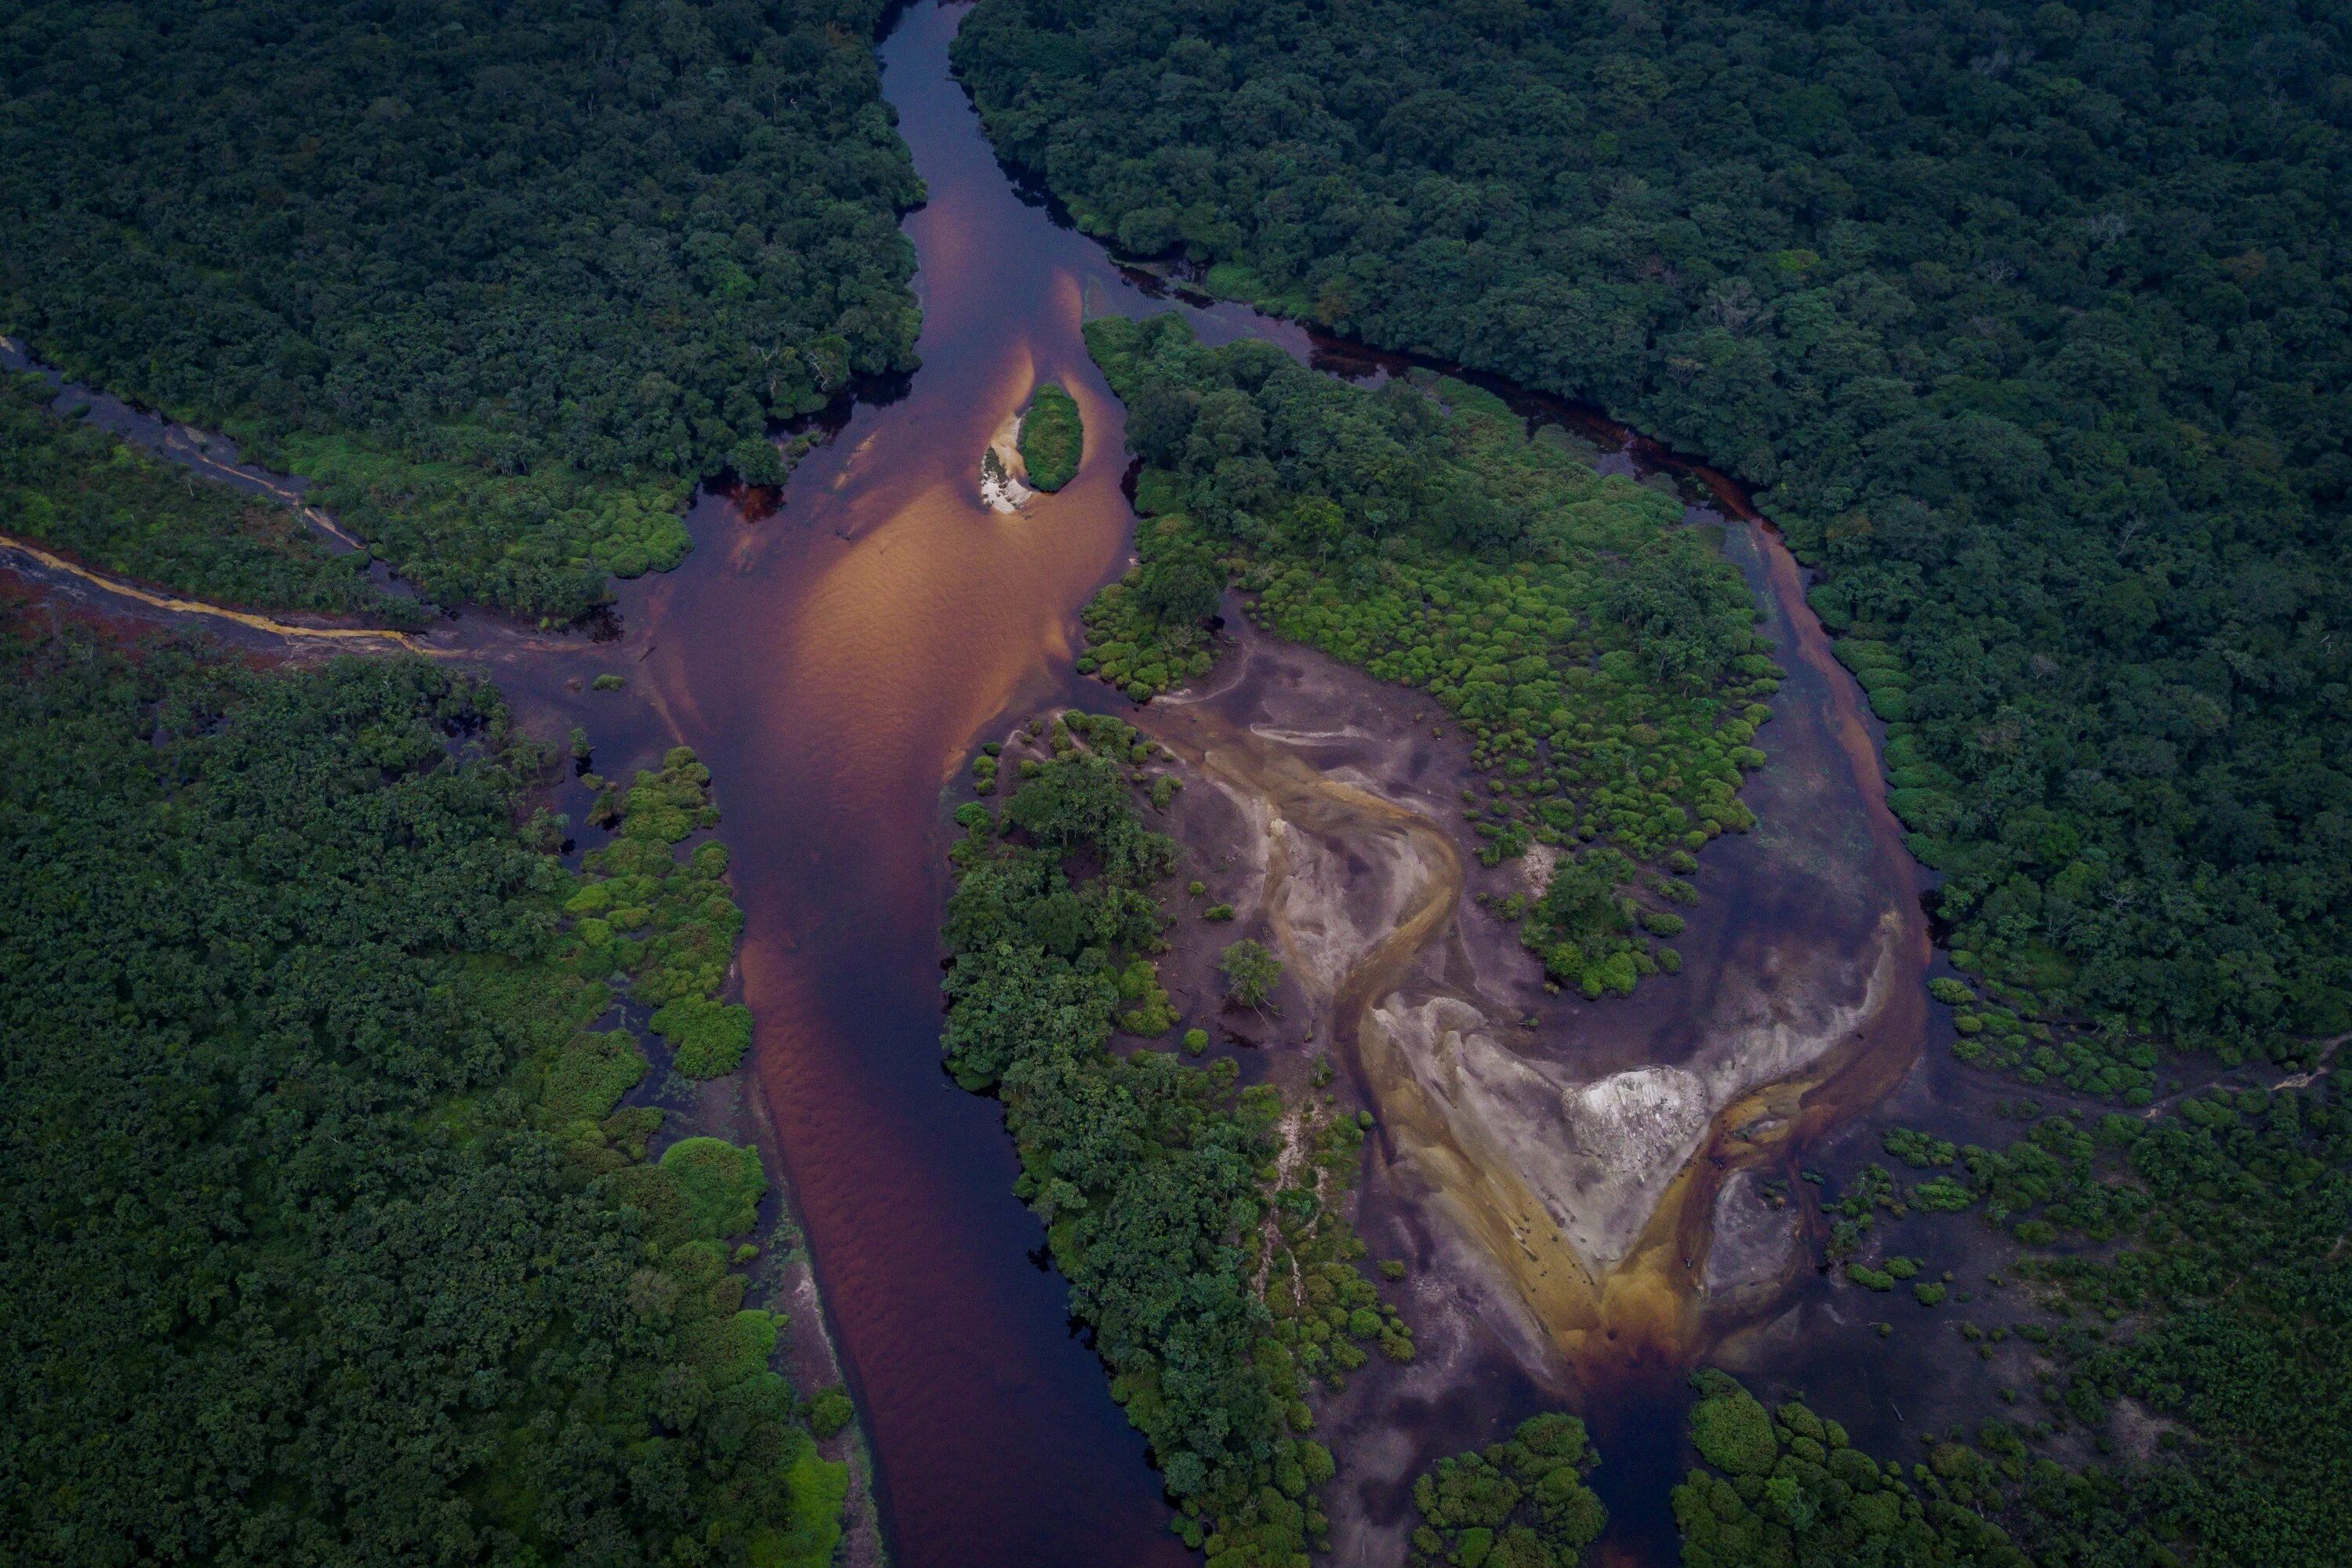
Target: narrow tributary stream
(834, 659)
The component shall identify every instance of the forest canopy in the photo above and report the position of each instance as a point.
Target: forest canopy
(329, 1236)
(504, 277)
(2032, 319)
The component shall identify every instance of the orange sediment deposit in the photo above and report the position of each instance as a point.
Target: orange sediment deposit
(172, 605)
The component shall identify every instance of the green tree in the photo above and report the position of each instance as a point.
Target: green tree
(1251, 971)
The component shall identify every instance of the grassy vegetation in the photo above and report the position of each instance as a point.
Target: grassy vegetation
(1052, 437)
(1600, 656)
(329, 1236)
(1156, 1180)
(664, 927)
(86, 493)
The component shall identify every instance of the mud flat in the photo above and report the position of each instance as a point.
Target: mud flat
(1575, 1186)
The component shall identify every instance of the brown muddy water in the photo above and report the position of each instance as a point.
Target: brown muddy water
(834, 654)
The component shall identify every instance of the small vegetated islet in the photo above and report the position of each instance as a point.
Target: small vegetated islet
(1601, 656)
(1052, 438)
(1218, 1292)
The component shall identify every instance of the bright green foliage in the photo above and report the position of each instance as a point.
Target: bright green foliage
(2032, 317)
(1918, 1150)
(506, 277)
(664, 927)
(721, 1183)
(1601, 656)
(1052, 438)
(1144, 1170)
(1793, 1492)
(1251, 971)
(1326, 1310)
(708, 1038)
(1520, 1503)
(325, 1241)
(94, 497)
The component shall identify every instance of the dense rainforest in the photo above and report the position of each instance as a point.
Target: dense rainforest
(505, 278)
(2031, 320)
(1519, 1503)
(1600, 656)
(329, 1236)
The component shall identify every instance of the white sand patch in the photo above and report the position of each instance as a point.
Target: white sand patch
(1597, 1155)
(1004, 476)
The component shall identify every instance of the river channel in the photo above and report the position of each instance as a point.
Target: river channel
(834, 654)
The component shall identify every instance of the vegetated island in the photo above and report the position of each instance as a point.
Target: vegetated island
(1052, 437)
(1602, 661)
(339, 1221)
(504, 282)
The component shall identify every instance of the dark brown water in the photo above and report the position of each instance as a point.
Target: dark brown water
(835, 656)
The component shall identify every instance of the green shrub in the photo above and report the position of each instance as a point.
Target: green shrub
(721, 1184)
(830, 1411)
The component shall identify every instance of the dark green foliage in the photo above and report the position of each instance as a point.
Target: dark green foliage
(830, 1411)
(2222, 1308)
(2031, 317)
(1585, 925)
(1519, 1503)
(504, 277)
(1793, 1492)
(324, 1240)
(1602, 657)
(1053, 439)
(1144, 1170)
(85, 493)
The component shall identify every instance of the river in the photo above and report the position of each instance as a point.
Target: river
(836, 653)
